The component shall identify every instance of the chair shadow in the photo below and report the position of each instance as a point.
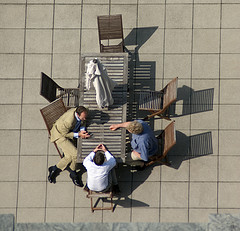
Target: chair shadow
(193, 101)
(189, 147)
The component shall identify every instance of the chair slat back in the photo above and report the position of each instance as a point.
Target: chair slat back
(48, 88)
(110, 27)
(52, 112)
(170, 93)
(169, 137)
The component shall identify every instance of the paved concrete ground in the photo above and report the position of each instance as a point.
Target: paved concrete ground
(196, 40)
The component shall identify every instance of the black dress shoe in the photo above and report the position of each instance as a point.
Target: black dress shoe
(53, 173)
(76, 180)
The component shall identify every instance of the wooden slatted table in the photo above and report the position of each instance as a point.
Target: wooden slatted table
(99, 121)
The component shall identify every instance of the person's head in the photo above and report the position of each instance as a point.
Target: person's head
(99, 157)
(82, 112)
(135, 127)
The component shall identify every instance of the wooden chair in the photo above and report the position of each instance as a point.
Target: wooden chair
(51, 113)
(167, 139)
(50, 90)
(158, 102)
(110, 28)
(98, 195)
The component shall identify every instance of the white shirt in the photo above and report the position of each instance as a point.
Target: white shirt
(97, 176)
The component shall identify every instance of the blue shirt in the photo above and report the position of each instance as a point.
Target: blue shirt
(145, 143)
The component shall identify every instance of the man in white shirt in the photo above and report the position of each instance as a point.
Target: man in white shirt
(101, 174)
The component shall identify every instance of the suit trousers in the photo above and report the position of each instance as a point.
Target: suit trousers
(70, 154)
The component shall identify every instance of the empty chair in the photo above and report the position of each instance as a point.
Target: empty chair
(51, 113)
(110, 28)
(158, 102)
(50, 90)
(97, 195)
(167, 139)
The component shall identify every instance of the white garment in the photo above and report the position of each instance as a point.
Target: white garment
(97, 76)
(97, 175)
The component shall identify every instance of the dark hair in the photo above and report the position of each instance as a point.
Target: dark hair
(99, 157)
(81, 109)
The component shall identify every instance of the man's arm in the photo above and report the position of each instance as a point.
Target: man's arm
(114, 127)
(88, 159)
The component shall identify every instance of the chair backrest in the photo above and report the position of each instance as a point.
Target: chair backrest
(110, 27)
(169, 138)
(48, 88)
(170, 93)
(52, 112)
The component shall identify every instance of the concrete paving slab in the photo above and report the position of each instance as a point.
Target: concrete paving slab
(228, 142)
(31, 194)
(228, 168)
(143, 214)
(203, 195)
(150, 20)
(10, 119)
(180, 174)
(230, 13)
(206, 40)
(56, 215)
(67, 16)
(226, 122)
(174, 194)
(34, 64)
(179, 16)
(207, 16)
(83, 214)
(229, 66)
(66, 41)
(9, 168)
(177, 215)
(147, 192)
(9, 193)
(178, 40)
(60, 194)
(205, 66)
(34, 142)
(229, 91)
(39, 16)
(200, 215)
(228, 198)
(38, 41)
(12, 16)
(66, 66)
(12, 41)
(31, 168)
(119, 215)
(30, 215)
(9, 142)
(11, 91)
(12, 66)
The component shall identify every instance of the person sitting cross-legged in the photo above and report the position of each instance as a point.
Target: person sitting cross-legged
(143, 143)
(101, 174)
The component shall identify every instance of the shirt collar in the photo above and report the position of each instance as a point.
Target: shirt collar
(77, 118)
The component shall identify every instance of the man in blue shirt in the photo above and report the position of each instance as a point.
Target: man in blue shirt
(144, 143)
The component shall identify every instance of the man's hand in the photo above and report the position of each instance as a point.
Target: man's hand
(113, 127)
(83, 134)
(100, 147)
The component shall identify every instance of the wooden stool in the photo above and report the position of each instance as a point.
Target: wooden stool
(92, 194)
